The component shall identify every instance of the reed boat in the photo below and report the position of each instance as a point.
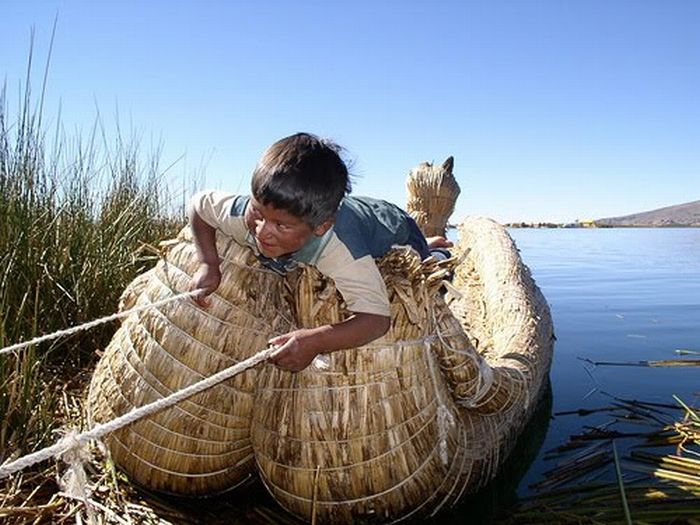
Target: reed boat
(392, 431)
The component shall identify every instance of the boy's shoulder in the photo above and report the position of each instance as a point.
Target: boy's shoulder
(370, 210)
(369, 226)
(238, 205)
(223, 211)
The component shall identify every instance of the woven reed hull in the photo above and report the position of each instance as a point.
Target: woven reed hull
(202, 445)
(507, 321)
(364, 445)
(502, 311)
(373, 436)
(391, 431)
(405, 426)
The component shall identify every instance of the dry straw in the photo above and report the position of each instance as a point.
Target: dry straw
(432, 193)
(405, 426)
(202, 445)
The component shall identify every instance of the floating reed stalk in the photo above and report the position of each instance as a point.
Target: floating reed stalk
(667, 491)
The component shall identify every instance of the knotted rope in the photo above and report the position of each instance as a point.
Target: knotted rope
(72, 441)
(445, 419)
(74, 481)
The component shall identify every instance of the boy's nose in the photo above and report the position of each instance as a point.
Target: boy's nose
(262, 228)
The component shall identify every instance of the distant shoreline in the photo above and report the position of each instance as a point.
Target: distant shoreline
(685, 215)
(552, 226)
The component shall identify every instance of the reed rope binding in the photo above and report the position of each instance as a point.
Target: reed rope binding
(71, 441)
(96, 322)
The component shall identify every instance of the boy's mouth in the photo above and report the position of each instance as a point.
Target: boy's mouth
(263, 245)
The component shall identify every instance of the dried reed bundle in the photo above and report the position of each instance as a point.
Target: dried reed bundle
(501, 308)
(474, 382)
(432, 193)
(202, 445)
(134, 289)
(394, 430)
(377, 434)
(506, 319)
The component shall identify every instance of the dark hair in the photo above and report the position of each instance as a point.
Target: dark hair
(303, 175)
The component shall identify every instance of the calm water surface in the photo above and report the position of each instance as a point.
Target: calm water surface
(616, 295)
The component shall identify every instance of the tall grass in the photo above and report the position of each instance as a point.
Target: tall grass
(75, 213)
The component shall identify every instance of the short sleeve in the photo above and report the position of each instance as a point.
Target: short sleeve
(214, 207)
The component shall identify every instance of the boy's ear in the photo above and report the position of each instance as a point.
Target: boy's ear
(324, 227)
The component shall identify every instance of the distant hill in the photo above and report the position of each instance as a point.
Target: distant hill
(687, 214)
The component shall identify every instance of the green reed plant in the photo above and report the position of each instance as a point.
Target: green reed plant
(75, 214)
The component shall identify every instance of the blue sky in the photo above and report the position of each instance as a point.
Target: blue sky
(553, 110)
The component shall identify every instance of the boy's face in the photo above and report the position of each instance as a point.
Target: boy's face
(276, 231)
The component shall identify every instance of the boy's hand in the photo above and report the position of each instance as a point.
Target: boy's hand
(294, 352)
(438, 242)
(298, 349)
(207, 278)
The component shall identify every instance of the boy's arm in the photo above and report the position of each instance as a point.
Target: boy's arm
(208, 276)
(210, 211)
(362, 287)
(300, 347)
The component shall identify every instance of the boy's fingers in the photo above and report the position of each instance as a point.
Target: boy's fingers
(275, 355)
(202, 299)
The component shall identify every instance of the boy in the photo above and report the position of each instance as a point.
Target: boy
(298, 212)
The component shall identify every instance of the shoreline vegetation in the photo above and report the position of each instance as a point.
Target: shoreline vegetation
(79, 217)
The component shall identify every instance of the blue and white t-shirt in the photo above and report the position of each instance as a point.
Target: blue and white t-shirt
(364, 229)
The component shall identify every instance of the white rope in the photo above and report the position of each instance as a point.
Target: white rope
(444, 416)
(135, 414)
(96, 322)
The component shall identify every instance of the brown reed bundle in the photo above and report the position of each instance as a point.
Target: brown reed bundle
(500, 315)
(394, 430)
(500, 307)
(201, 445)
(376, 435)
(506, 320)
(432, 193)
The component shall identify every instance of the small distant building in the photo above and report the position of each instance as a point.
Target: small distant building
(581, 223)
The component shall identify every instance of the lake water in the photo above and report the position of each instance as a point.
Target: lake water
(616, 295)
